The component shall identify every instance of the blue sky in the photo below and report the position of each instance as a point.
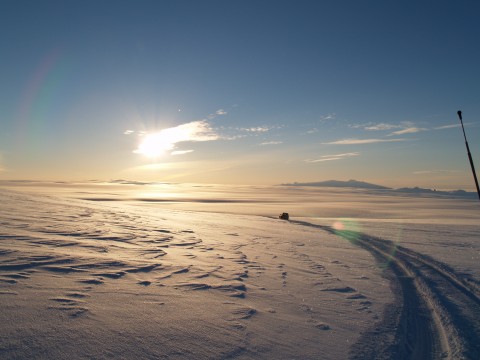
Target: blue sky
(253, 92)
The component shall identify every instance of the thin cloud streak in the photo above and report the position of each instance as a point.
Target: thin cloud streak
(243, 132)
(361, 141)
(258, 129)
(333, 157)
(382, 127)
(219, 112)
(452, 126)
(181, 152)
(271, 143)
(410, 130)
(326, 117)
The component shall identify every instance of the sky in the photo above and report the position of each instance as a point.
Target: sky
(240, 92)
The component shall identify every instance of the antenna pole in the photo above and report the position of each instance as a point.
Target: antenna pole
(459, 113)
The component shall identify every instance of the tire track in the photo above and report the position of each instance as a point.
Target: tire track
(436, 313)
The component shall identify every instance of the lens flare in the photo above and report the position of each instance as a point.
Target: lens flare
(41, 96)
(392, 250)
(347, 229)
(338, 225)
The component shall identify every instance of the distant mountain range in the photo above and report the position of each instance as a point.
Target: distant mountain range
(368, 186)
(417, 190)
(337, 183)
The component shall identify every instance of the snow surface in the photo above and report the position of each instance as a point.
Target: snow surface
(210, 272)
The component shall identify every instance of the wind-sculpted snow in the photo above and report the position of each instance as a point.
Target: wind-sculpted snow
(437, 311)
(83, 279)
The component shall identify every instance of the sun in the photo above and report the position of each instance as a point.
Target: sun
(158, 144)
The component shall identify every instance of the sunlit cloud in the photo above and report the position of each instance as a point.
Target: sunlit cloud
(271, 143)
(258, 129)
(447, 127)
(382, 127)
(312, 131)
(234, 133)
(233, 137)
(156, 144)
(410, 130)
(326, 117)
(361, 141)
(219, 112)
(128, 132)
(333, 157)
(181, 152)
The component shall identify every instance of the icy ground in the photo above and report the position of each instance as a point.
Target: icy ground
(122, 279)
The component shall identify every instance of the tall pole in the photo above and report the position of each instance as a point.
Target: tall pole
(459, 113)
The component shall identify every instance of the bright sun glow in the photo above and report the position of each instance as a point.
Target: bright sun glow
(158, 144)
(155, 145)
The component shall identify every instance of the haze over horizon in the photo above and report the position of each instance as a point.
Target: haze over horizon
(240, 92)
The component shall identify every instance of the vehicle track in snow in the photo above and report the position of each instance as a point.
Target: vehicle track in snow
(436, 314)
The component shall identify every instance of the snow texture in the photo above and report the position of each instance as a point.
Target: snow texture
(212, 276)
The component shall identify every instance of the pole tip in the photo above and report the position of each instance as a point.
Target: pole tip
(459, 113)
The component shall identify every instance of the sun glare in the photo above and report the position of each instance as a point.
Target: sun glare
(158, 144)
(152, 146)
